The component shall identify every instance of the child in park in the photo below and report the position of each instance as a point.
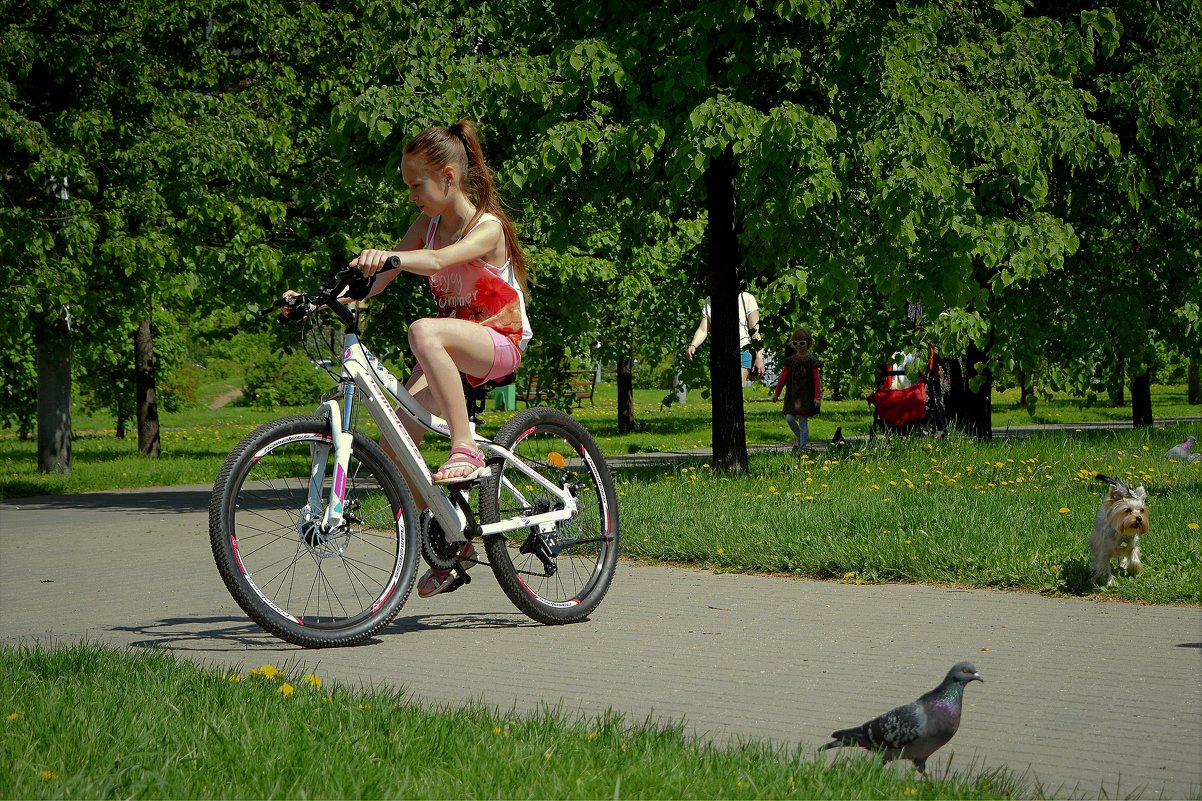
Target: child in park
(801, 380)
(465, 245)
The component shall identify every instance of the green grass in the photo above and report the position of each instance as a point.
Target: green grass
(1010, 514)
(195, 442)
(93, 722)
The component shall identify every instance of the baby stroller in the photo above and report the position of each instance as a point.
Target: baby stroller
(909, 401)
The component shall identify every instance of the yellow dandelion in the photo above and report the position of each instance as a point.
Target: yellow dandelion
(47, 775)
(1192, 526)
(286, 689)
(721, 551)
(235, 677)
(313, 680)
(1064, 510)
(269, 671)
(19, 715)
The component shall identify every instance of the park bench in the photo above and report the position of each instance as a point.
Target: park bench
(580, 385)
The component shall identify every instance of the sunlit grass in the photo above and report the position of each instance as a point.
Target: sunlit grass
(92, 722)
(1009, 514)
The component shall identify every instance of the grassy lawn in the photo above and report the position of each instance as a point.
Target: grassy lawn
(93, 722)
(195, 442)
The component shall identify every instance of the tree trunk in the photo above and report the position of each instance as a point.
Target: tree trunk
(1116, 394)
(1195, 386)
(144, 392)
(978, 404)
(729, 433)
(1141, 399)
(626, 395)
(54, 396)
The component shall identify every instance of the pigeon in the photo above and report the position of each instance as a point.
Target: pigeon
(1182, 452)
(837, 441)
(917, 730)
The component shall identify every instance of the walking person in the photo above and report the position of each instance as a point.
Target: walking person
(751, 363)
(801, 380)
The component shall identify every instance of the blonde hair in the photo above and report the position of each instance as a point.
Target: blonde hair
(459, 145)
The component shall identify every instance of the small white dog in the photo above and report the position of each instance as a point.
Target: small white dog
(1122, 518)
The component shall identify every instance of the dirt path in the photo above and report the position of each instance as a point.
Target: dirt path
(226, 398)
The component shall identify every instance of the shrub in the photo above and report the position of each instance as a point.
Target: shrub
(284, 380)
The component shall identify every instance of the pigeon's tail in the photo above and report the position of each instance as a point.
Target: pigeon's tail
(847, 737)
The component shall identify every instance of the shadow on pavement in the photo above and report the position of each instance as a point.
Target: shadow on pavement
(164, 500)
(215, 634)
(502, 620)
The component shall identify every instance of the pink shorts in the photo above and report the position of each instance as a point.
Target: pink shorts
(505, 360)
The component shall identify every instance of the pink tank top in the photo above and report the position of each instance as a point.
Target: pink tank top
(480, 292)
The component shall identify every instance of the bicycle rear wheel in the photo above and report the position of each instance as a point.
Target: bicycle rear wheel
(305, 584)
(557, 576)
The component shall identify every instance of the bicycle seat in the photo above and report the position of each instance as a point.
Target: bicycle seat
(477, 396)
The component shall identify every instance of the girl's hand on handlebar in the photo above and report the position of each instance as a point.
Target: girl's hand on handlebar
(293, 306)
(372, 261)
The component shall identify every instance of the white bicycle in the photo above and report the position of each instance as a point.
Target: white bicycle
(316, 534)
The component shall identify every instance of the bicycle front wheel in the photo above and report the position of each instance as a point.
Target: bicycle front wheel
(303, 581)
(560, 575)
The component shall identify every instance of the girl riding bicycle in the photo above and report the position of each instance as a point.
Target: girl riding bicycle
(465, 244)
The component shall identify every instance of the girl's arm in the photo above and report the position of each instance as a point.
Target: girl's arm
(482, 241)
(780, 382)
(817, 386)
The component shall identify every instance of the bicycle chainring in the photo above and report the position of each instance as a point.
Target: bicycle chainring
(436, 551)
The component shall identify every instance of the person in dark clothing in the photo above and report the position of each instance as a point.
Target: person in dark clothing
(801, 380)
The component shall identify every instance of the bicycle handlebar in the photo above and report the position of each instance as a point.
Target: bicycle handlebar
(329, 297)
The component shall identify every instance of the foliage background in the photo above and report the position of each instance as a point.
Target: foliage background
(1029, 168)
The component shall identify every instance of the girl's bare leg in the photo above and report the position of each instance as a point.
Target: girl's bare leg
(445, 347)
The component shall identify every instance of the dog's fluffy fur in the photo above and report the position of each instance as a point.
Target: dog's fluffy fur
(1122, 518)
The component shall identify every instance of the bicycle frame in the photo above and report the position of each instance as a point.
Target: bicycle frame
(358, 378)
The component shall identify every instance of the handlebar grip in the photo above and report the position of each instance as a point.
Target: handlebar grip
(359, 284)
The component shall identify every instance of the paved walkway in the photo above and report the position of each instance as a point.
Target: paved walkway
(1087, 698)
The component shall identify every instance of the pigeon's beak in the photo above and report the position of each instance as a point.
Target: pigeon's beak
(977, 677)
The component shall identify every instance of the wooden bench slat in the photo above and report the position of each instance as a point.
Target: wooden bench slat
(581, 385)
